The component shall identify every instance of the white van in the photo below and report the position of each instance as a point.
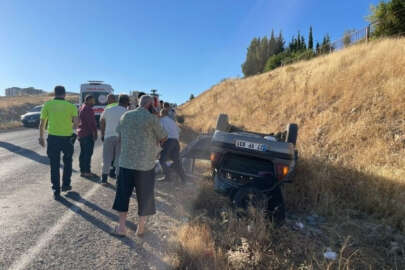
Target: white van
(100, 91)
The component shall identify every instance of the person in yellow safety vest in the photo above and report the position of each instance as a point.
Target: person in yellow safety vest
(111, 102)
(62, 118)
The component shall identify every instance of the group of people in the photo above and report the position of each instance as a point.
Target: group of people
(132, 142)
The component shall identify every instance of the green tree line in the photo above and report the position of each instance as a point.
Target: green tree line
(267, 53)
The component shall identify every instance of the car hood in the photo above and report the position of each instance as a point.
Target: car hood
(30, 114)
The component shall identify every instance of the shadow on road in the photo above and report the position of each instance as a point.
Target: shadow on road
(76, 197)
(27, 153)
(160, 205)
(148, 256)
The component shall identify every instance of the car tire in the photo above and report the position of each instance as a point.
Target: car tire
(249, 196)
(273, 204)
(276, 206)
(292, 133)
(223, 123)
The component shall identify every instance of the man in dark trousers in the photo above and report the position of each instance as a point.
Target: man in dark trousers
(171, 147)
(87, 133)
(61, 117)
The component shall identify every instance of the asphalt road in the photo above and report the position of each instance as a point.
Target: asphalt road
(37, 232)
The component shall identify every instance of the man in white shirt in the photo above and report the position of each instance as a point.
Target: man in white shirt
(109, 121)
(171, 112)
(171, 148)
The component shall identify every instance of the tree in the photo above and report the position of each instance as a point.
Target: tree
(264, 53)
(259, 51)
(250, 66)
(279, 44)
(389, 17)
(272, 44)
(191, 97)
(303, 45)
(347, 38)
(299, 46)
(292, 46)
(274, 61)
(326, 46)
(310, 39)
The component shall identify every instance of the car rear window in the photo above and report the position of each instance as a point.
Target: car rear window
(247, 164)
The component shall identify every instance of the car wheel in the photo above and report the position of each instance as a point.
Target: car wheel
(292, 133)
(223, 123)
(276, 206)
(245, 197)
(273, 204)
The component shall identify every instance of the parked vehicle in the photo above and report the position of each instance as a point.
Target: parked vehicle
(100, 91)
(249, 167)
(32, 117)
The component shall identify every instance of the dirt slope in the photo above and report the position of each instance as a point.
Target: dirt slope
(11, 108)
(350, 107)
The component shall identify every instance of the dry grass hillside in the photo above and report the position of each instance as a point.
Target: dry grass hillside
(350, 107)
(11, 108)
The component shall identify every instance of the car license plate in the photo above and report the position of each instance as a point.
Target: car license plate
(250, 145)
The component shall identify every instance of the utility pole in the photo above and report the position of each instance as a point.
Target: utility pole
(367, 33)
(154, 92)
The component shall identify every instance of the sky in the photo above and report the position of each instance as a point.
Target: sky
(180, 47)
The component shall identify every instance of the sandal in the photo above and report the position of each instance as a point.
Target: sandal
(140, 234)
(115, 232)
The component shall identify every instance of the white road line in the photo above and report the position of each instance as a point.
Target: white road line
(47, 236)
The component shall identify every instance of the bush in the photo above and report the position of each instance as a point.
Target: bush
(288, 57)
(274, 61)
(347, 38)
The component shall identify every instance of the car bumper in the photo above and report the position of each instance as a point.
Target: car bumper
(26, 122)
(266, 185)
(229, 187)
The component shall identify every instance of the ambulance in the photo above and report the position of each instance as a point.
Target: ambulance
(99, 90)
